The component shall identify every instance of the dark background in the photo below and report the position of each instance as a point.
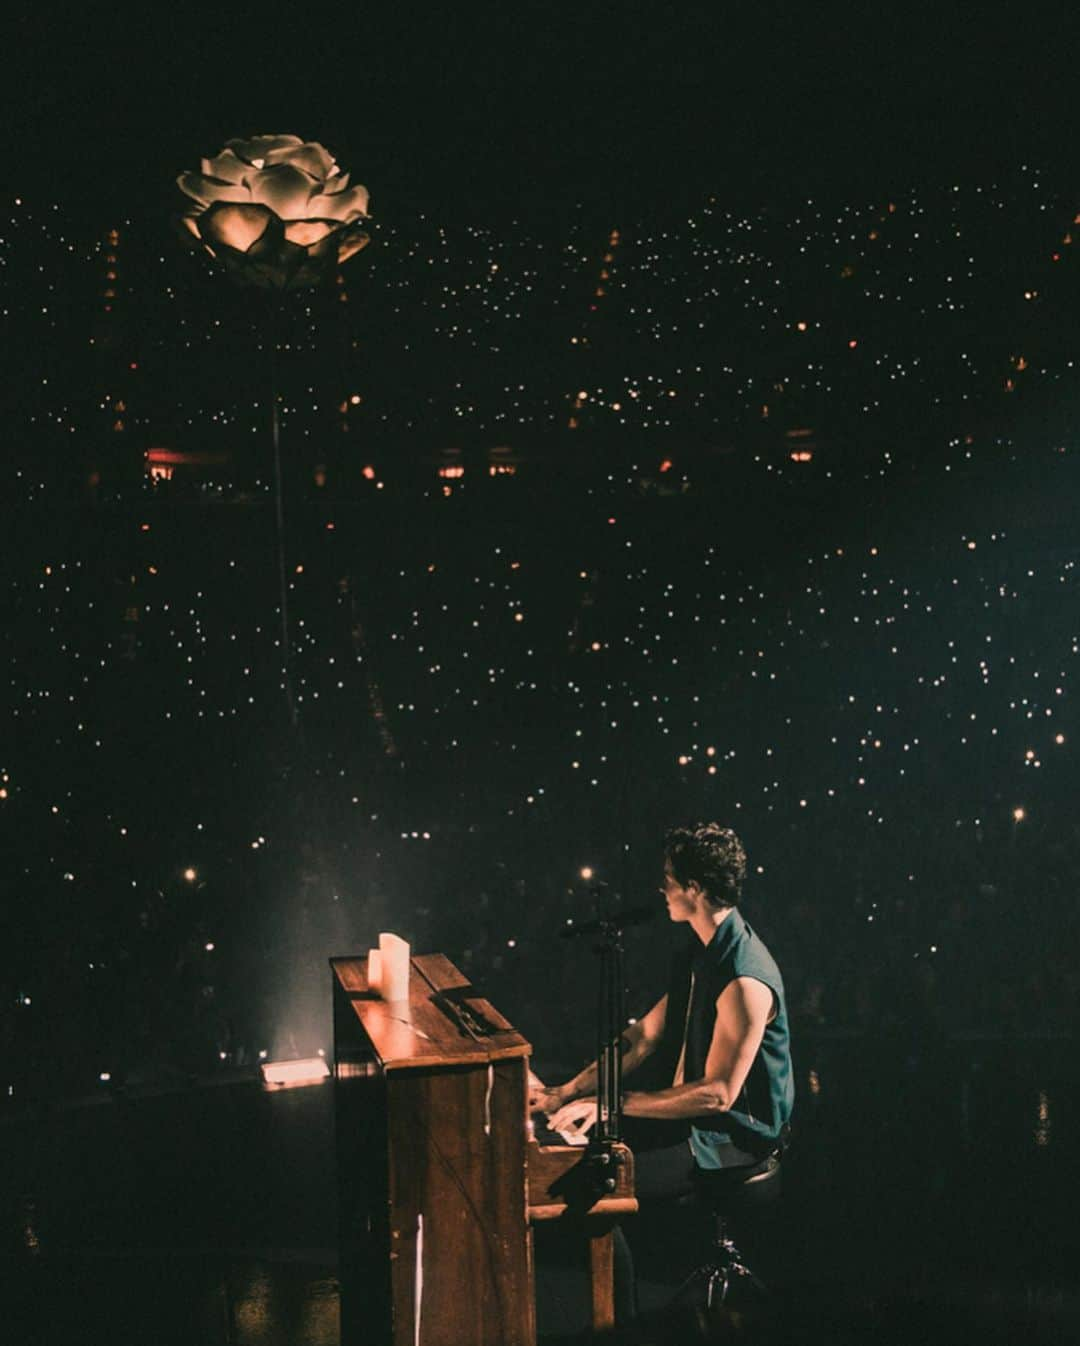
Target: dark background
(567, 119)
(481, 106)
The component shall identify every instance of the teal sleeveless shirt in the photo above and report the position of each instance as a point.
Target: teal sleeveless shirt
(764, 1105)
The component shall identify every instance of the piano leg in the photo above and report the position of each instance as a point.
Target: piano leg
(602, 1276)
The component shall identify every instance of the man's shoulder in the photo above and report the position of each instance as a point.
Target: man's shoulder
(752, 952)
(750, 992)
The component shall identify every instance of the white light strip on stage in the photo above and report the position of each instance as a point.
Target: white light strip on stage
(308, 1071)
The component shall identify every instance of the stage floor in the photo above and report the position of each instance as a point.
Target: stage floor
(930, 1197)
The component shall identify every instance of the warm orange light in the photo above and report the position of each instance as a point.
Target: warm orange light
(369, 473)
(277, 209)
(176, 458)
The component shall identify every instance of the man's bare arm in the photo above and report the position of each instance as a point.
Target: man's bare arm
(640, 1040)
(742, 1011)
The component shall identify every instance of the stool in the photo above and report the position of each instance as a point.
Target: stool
(727, 1192)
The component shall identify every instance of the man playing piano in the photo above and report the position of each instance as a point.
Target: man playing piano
(719, 1035)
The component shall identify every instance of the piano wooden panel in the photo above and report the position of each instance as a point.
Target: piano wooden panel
(438, 1181)
(560, 1183)
(431, 1158)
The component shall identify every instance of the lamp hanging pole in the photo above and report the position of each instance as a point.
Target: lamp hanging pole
(279, 513)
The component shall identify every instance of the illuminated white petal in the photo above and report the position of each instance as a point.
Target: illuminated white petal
(306, 232)
(226, 167)
(206, 191)
(283, 188)
(344, 206)
(311, 157)
(350, 244)
(237, 227)
(258, 147)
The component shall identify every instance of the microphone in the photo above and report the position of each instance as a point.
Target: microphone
(627, 916)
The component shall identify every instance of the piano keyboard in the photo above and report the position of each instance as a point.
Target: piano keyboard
(541, 1132)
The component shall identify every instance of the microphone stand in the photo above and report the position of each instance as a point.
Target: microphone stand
(607, 1129)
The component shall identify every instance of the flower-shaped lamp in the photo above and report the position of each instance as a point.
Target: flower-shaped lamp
(275, 210)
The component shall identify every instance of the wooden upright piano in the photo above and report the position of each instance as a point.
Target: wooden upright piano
(439, 1177)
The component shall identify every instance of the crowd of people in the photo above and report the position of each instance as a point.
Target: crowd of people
(451, 704)
(948, 305)
(489, 723)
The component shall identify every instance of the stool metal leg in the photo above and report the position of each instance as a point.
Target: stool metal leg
(727, 1267)
(724, 1268)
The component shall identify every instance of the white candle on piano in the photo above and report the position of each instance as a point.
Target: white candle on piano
(395, 967)
(374, 970)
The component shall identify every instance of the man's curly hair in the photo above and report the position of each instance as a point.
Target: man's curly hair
(711, 856)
